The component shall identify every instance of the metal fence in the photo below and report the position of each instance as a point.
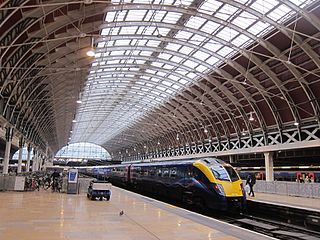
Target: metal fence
(309, 190)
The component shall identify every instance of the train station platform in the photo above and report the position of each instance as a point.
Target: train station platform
(312, 204)
(55, 216)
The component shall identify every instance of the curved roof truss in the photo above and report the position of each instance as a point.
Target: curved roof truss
(165, 72)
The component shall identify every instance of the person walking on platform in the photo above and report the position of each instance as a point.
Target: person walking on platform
(251, 181)
(55, 176)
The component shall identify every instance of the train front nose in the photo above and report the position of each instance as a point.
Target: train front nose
(235, 195)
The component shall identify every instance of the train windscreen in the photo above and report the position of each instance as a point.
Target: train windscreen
(224, 173)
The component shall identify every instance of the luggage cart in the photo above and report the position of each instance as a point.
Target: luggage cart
(99, 189)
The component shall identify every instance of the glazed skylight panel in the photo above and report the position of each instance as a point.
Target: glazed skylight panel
(210, 7)
(162, 2)
(301, 3)
(244, 20)
(226, 12)
(127, 67)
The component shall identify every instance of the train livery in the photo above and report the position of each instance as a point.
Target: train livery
(206, 183)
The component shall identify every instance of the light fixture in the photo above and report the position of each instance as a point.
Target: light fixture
(82, 34)
(177, 136)
(91, 52)
(79, 98)
(296, 124)
(158, 143)
(88, 1)
(205, 130)
(74, 120)
(251, 116)
(243, 132)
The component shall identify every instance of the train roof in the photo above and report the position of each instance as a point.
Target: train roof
(208, 161)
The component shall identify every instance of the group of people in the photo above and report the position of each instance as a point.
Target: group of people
(305, 179)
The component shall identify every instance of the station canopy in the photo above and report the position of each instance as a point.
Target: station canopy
(148, 54)
(172, 72)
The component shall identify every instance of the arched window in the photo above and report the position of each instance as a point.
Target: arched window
(24, 154)
(81, 154)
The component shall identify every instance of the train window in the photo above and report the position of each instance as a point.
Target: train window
(180, 172)
(224, 173)
(165, 172)
(159, 172)
(173, 172)
(144, 171)
(220, 173)
(232, 173)
(189, 172)
(152, 171)
(138, 170)
(200, 176)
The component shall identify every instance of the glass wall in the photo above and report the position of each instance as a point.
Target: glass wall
(83, 151)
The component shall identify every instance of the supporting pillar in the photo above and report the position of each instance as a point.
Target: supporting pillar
(28, 158)
(231, 159)
(268, 159)
(9, 135)
(34, 160)
(21, 143)
(39, 163)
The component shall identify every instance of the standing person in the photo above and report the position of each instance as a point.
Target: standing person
(55, 176)
(251, 181)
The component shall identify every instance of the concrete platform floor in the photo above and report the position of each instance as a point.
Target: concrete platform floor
(53, 216)
(300, 202)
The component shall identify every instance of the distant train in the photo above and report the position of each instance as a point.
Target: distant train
(206, 183)
(284, 173)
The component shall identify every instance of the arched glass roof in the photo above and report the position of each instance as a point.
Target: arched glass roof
(150, 51)
(165, 74)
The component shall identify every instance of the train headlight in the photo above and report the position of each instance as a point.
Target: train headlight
(219, 189)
